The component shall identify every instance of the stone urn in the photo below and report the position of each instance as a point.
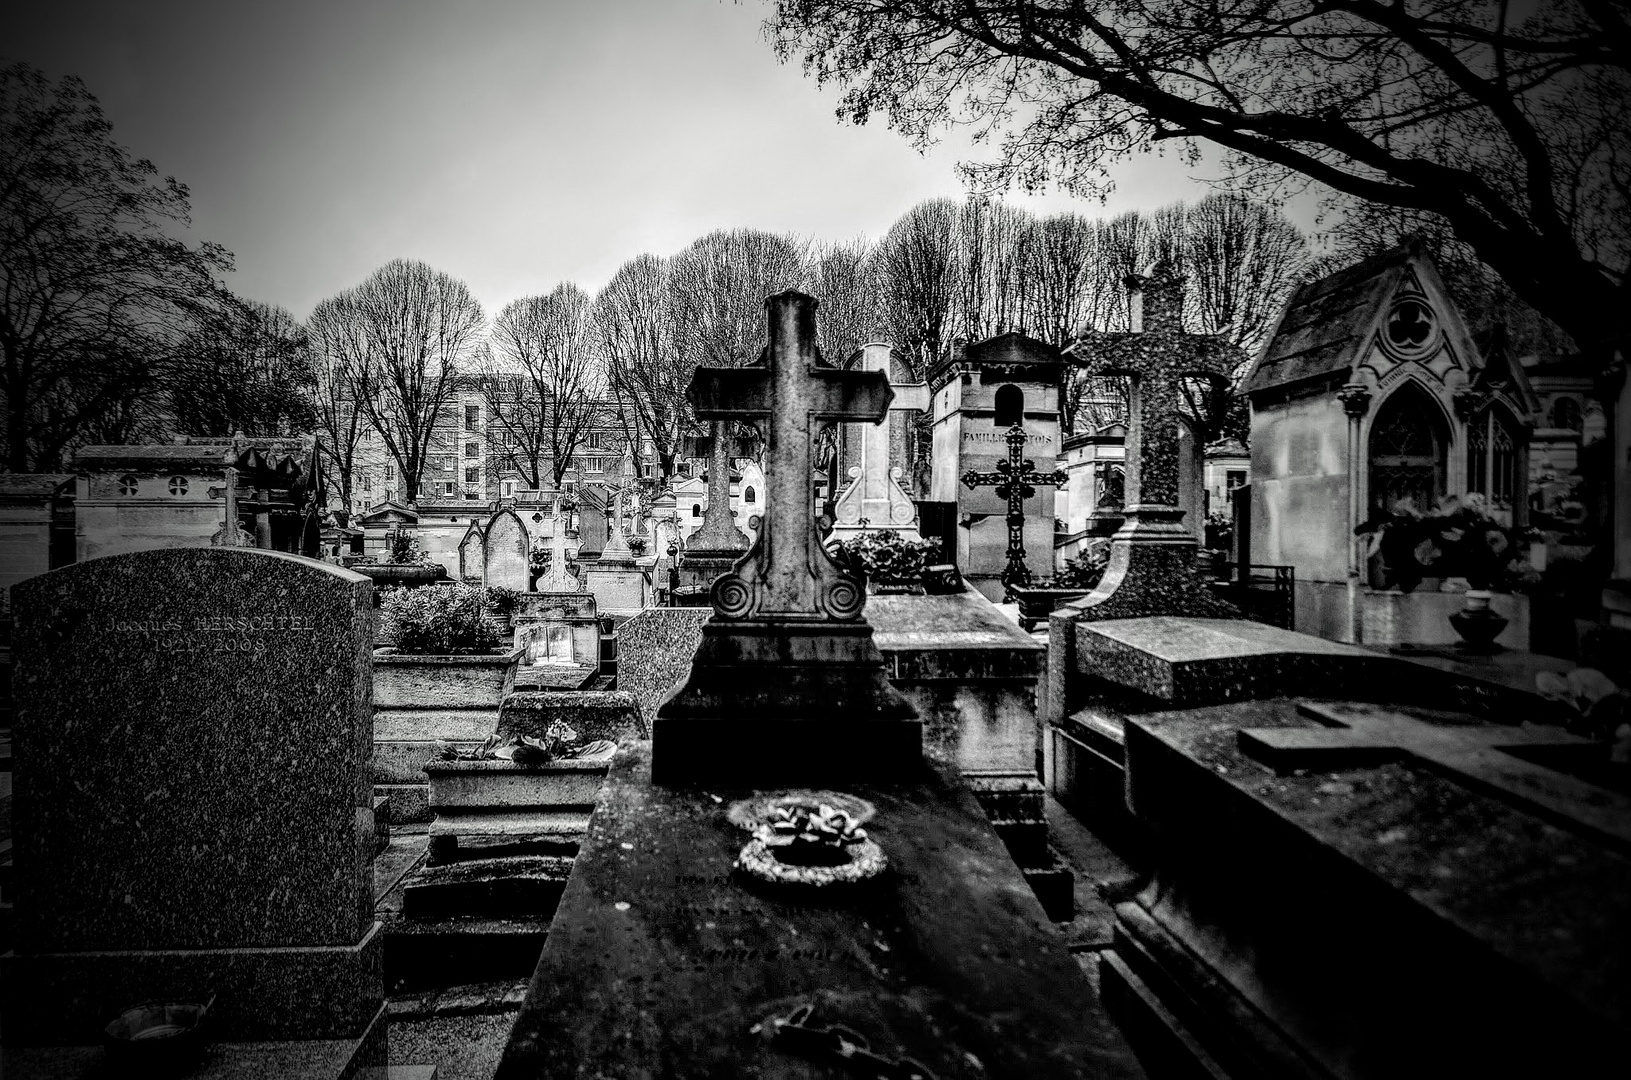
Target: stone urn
(1477, 623)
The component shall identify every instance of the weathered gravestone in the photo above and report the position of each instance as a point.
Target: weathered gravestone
(874, 495)
(507, 552)
(663, 961)
(191, 806)
(472, 549)
(1387, 877)
(614, 579)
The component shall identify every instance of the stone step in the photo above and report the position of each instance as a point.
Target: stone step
(422, 954)
(465, 834)
(527, 886)
(397, 1072)
(382, 822)
(1026, 803)
(407, 804)
(1054, 885)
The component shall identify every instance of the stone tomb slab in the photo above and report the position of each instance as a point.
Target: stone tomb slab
(1370, 917)
(660, 963)
(1192, 661)
(168, 702)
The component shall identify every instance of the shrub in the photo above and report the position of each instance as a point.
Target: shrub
(886, 556)
(438, 620)
(503, 599)
(1082, 572)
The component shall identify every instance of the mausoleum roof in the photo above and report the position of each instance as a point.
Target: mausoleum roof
(33, 485)
(1327, 322)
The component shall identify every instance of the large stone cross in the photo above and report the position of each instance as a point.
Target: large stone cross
(1476, 755)
(1152, 556)
(787, 575)
(875, 493)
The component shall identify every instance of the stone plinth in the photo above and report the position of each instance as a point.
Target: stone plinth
(785, 703)
(616, 586)
(971, 674)
(191, 804)
(1363, 916)
(659, 961)
(593, 714)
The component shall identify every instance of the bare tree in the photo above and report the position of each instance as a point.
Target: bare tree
(646, 367)
(1506, 123)
(339, 350)
(420, 327)
(543, 383)
(97, 299)
(915, 268)
(1242, 260)
(248, 372)
(841, 277)
(993, 278)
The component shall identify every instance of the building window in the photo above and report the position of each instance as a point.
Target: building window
(1010, 406)
(1234, 478)
(128, 485)
(508, 488)
(1410, 326)
(178, 485)
(507, 440)
(1566, 414)
(390, 473)
(696, 509)
(472, 418)
(472, 450)
(472, 475)
(448, 487)
(748, 496)
(365, 480)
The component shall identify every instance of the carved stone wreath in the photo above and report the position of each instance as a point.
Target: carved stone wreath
(866, 860)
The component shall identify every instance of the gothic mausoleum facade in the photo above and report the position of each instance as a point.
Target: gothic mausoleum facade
(1370, 397)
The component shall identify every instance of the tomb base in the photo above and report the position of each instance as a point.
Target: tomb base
(1456, 934)
(661, 960)
(308, 1059)
(700, 567)
(782, 703)
(287, 993)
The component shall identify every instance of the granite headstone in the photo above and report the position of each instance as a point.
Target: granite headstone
(191, 807)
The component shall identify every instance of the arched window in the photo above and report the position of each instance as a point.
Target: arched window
(1492, 457)
(1408, 443)
(747, 495)
(696, 509)
(1566, 414)
(1010, 405)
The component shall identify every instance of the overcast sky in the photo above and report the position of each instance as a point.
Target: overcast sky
(513, 143)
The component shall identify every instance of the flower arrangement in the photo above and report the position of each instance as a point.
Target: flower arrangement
(885, 556)
(1458, 539)
(1082, 572)
(560, 742)
(438, 620)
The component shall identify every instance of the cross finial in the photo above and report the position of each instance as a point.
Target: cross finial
(787, 575)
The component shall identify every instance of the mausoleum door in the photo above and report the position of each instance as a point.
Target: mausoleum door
(1407, 453)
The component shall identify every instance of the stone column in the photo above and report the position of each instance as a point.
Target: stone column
(1355, 400)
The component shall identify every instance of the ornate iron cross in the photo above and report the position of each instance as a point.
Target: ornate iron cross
(1016, 481)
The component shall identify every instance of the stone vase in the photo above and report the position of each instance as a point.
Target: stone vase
(1477, 623)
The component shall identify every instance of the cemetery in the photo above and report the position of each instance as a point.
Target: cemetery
(984, 758)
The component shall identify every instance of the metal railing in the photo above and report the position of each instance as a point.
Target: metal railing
(1263, 592)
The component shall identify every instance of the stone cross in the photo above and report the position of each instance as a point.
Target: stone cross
(1473, 754)
(787, 575)
(1016, 481)
(617, 544)
(718, 531)
(1152, 556)
(875, 493)
(558, 579)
